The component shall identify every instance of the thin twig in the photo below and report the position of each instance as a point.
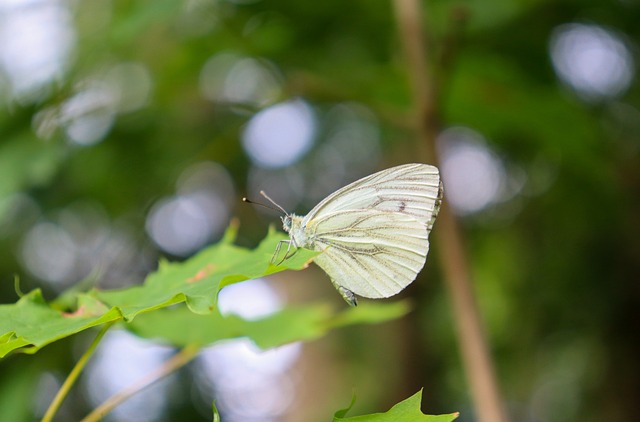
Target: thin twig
(473, 345)
(73, 375)
(180, 359)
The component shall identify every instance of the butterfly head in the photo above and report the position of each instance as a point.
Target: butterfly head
(286, 223)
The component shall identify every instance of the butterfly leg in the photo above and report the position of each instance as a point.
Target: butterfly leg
(277, 251)
(286, 255)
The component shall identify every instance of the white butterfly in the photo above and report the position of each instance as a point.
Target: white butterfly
(373, 233)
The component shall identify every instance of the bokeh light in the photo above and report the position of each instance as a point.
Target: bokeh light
(197, 18)
(249, 384)
(45, 391)
(251, 299)
(131, 84)
(79, 241)
(347, 149)
(593, 61)
(88, 115)
(121, 360)
(181, 225)
(232, 78)
(113, 111)
(351, 149)
(197, 214)
(473, 176)
(280, 135)
(49, 253)
(37, 39)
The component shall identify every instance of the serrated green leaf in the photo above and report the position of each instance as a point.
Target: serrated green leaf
(198, 280)
(31, 323)
(406, 410)
(181, 327)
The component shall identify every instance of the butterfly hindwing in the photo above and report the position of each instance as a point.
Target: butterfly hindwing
(371, 253)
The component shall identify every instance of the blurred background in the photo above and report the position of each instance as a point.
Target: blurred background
(129, 130)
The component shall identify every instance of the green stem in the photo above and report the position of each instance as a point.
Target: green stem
(180, 359)
(73, 375)
(16, 285)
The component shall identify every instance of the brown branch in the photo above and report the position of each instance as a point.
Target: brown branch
(473, 345)
(178, 360)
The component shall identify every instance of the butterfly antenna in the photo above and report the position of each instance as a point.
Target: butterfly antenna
(273, 202)
(279, 208)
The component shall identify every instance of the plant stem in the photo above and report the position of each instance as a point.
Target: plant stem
(473, 344)
(73, 375)
(180, 359)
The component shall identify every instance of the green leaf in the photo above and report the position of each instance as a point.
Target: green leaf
(198, 280)
(181, 327)
(373, 313)
(31, 323)
(342, 413)
(406, 410)
(216, 415)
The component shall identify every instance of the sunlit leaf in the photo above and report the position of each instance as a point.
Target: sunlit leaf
(181, 327)
(406, 410)
(216, 415)
(199, 279)
(31, 323)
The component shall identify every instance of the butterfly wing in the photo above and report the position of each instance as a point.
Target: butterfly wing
(411, 189)
(371, 253)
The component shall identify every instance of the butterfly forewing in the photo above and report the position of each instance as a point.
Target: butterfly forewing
(372, 253)
(412, 189)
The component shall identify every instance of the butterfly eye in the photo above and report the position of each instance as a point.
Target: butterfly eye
(286, 223)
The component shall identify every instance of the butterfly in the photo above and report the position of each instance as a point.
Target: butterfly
(373, 233)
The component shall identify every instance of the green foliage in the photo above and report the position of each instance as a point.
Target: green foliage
(25, 163)
(181, 328)
(15, 386)
(406, 410)
(198, 280)
(216, 415)
(554, 265)
(31, 323)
